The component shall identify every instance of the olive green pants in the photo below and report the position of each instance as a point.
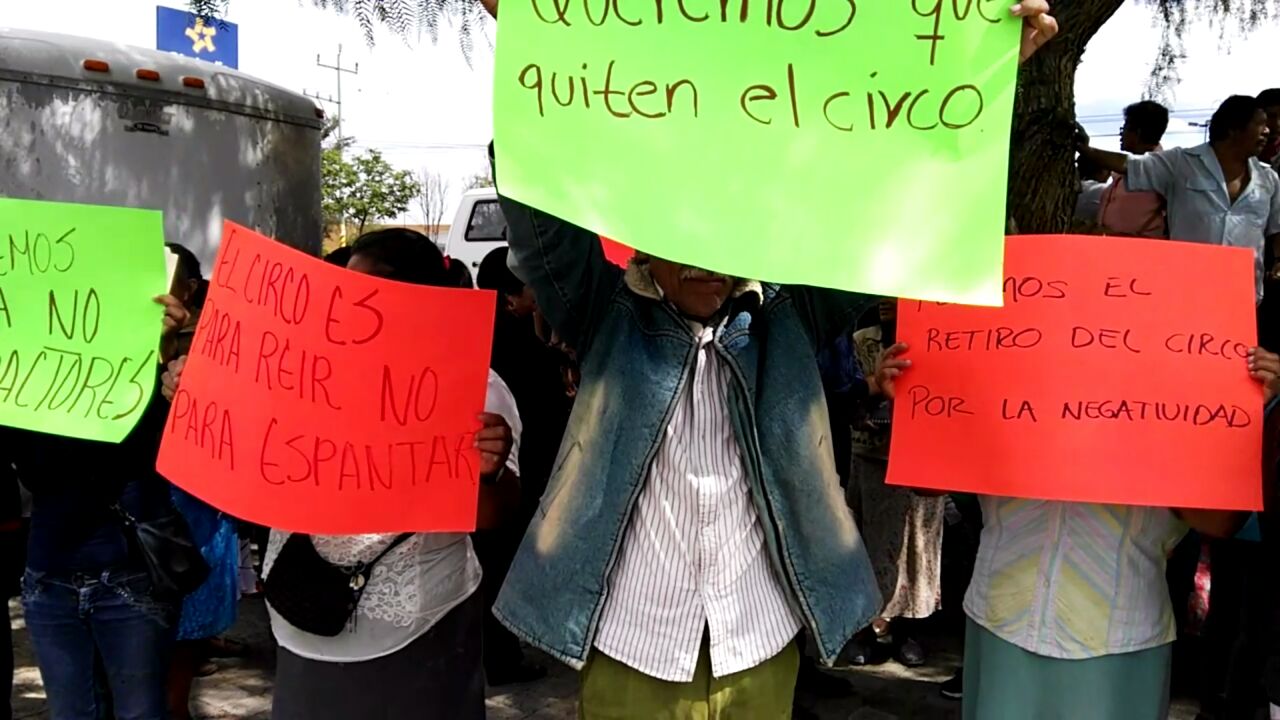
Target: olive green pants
(613, 691)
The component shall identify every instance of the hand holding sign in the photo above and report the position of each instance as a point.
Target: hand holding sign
(175, 314)
(172, 377)
(891, 365)
(1264, 366)
(1038, 26)
(1103, 379)
(320, 400)
(494, 441)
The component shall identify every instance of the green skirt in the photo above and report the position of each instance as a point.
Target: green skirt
(1004, 682)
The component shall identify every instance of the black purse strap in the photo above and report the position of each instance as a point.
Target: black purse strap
(400, 540)
(363, 568)
(361, 572)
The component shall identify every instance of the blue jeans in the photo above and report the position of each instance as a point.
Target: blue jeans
(89, 629)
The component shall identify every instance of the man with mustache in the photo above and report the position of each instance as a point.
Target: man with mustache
(1219, 192)
(694, 525)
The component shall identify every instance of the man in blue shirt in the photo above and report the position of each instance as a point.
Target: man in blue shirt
(1219, 192)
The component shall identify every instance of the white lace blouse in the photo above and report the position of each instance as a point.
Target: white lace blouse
(410, 590)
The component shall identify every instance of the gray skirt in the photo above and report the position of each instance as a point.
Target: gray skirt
(1004, 682)
(439, 675)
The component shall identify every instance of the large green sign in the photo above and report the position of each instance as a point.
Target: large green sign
(842, 143)
(79, 331)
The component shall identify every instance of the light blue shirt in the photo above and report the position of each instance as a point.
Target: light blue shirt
(1200, 210)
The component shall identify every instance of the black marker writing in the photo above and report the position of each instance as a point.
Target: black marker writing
(85, 317)
(205, 425)
(924, 401)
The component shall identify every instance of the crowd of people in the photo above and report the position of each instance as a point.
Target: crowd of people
(1225, 192)
(683, 497)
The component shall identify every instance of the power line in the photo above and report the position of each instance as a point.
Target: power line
(1120, 115)
(410, 145)
(1197, 131)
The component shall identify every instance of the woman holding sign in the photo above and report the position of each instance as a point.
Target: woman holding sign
(902, 529)
(411, 648)
(100, 624)
(1069, 611)
(210, 609)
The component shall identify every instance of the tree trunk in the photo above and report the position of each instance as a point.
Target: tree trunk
(1042, 178)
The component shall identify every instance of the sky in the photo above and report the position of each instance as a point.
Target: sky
(426, 107)
(1117, 64)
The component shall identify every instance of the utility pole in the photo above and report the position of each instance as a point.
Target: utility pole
(339, 71)
(328, 99)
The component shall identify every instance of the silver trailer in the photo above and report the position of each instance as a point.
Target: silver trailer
(92, 121)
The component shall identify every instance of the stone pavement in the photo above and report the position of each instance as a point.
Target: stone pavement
(241, 689)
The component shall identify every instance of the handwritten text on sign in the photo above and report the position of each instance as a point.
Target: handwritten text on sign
(842, 143)
(1114, 373)
(79, 330)
(320, 400)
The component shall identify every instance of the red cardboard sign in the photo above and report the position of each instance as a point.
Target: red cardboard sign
(615, 252)
(1114, 373)
(320, 400)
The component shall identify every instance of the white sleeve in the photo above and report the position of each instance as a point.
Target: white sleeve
(500, 401)
(1273, 216)
(1154, 172)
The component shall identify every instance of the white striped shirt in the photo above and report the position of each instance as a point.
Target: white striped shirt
(693, 559)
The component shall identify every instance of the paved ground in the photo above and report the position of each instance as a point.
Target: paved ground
(241, 689)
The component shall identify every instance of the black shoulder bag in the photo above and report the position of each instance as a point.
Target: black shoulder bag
(174, 562)
(311, 593)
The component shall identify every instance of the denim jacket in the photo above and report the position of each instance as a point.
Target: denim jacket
(636, 354)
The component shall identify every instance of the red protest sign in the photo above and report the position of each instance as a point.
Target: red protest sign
(615, 252)
(320, 400)
(1114, 373)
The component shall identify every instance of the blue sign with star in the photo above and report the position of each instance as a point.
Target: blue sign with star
(188, 34)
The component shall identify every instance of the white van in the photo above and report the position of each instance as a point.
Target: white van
(478, 228)
(87, 120)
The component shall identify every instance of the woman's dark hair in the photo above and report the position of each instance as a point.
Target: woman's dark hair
(495, 275)
(1269, 97)
(187, 261)
(1233, 115)
(459, 275)
(408, 256)
(340, 257)
(1149, 119)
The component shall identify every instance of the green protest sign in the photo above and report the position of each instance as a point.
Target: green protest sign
(841, 143)
(79, 331)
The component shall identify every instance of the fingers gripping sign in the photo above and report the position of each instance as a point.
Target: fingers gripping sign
(1264, 366)
(891, 366)
(172, 377)
(1038, 26)
(494, 441)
